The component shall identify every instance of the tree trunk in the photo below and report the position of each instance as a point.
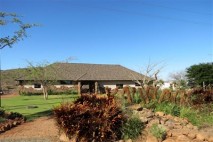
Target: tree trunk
(45, 93)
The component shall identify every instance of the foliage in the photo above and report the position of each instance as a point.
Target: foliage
(2, 112)
(168, 108)
(187, 112)
(31, 92)
(90, 118)
(158, 131)
(14, 115)
(200, 73)
(151, 105)
(20, 34)
(43, 74)
(198, 115)
(2, 119)
(179, 78)
(136, 98)
(132, 128)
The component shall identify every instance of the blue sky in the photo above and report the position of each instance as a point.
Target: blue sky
(175, 33)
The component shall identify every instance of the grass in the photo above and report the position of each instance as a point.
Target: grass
(34, 106)
(197, 116)
(158, 131)
(132, 128)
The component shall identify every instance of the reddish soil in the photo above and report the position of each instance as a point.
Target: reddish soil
(40, 130)
(9, 95)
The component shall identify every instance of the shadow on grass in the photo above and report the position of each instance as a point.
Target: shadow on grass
(31, 117)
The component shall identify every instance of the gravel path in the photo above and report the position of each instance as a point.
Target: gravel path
(40, 130)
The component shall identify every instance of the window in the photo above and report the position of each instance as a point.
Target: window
(37, 85)
(119, 86)
(137, 84)
(65, 82)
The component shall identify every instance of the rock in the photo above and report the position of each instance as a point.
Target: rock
(154, 121)
(170, 124)
(63, 137)
(201, 136)
(177, 119)
(169, 116)
(151, 138)
(185, 131)
(135, 112)
(149, 114)
(169, 140)
(185, 122)
(159, 113)
(195, 127)
(129, 140)
(176, 132)
(144, 120)
(162, 121)
(190, 126)
(183, 138)
(210, 139)
(134, 107)
(192, 135)
(178, 127)
(169, 134)
(195, 140)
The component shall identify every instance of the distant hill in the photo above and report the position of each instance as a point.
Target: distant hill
(9, 77)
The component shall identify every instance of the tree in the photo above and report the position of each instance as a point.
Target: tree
(43, 74)
(8, 40)
(11, 18)
(201, 73)
(179, 78)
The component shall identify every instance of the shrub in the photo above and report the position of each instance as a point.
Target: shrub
(132, 128)
(175, 110)
(158, 131)
(90, 118)
(14, 115)
(2, 112)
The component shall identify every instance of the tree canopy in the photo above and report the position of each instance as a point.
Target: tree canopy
(19, 34)
(197, 74)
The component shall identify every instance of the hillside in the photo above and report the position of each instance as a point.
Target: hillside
(9, 76)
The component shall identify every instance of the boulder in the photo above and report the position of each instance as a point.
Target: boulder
(200, 136)
(151, 138)
(159, 113)
(169, 140)
(183, 138)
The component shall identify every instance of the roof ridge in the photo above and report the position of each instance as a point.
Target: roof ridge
(88, 64)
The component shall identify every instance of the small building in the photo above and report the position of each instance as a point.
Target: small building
(94, 77)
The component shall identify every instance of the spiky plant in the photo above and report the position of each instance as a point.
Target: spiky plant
(90, 118)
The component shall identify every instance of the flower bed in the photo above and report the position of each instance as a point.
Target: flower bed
(10, 120)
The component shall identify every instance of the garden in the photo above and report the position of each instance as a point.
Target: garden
(144, 114)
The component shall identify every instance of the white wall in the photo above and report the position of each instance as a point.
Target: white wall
(57, 86)
(112, 84)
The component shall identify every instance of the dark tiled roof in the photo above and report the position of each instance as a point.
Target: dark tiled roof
(76, 71)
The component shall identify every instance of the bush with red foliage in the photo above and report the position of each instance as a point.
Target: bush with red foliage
(90, 118)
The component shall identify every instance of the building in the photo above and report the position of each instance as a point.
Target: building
(92, 76)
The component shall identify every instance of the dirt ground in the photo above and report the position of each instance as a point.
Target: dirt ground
(40, 130)
(9, 95)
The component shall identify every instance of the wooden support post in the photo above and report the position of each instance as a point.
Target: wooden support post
(96, 87)
(79, 88)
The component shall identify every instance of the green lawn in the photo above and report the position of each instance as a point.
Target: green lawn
(24, 104)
